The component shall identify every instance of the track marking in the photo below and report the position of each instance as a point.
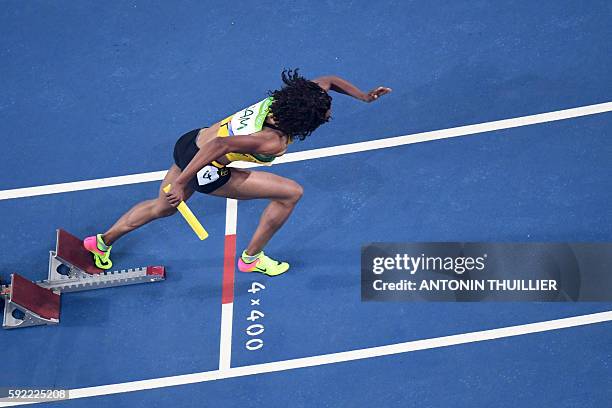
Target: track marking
(231, 216)
(225, 342)
(82, 185)
(326, 151)
(227, 296)
(360, 354)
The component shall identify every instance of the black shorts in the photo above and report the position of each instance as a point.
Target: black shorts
(209, 178)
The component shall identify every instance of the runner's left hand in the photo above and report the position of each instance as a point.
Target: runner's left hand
(376, 93)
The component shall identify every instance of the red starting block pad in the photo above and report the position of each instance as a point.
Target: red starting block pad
(71, 269)
(71, 260)
(28, 304)
(70, 250)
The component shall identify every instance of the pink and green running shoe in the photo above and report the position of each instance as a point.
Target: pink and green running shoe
(262, 264)
(101, 251)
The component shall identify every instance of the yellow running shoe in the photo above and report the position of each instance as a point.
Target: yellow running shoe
(262, 264)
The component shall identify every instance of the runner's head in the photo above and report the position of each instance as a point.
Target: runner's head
(300, 106)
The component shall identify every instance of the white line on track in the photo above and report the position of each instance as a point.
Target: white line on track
(225, 340)
(352, 355)
(231, 216)
(326, 151)
(227, 307)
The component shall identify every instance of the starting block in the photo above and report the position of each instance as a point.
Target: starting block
(71, 269)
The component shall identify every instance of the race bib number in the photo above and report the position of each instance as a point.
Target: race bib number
(207, 175)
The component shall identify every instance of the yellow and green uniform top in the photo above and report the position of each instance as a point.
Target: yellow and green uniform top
(246, 122)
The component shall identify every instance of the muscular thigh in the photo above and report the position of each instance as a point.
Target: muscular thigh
(246, 185)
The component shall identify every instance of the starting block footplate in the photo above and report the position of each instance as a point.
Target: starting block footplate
(71, 269)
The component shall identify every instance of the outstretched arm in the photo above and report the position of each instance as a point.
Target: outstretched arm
(337, 84)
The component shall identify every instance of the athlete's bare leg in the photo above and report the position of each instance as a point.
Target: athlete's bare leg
(282, 192)
(145, 211)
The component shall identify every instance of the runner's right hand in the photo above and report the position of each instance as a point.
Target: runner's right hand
(176, 194)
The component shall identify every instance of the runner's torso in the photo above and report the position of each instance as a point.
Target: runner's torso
(248, 121)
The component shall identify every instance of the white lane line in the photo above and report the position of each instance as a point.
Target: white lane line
(225, 343)
(227, 295)
(439, 134)
(231, 216)
(82, 185)
(327, 151)
(360, 354)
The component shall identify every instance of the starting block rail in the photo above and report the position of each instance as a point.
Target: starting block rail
(106, 279)
(71, 269)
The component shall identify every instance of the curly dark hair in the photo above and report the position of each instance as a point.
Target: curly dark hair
(300, 106)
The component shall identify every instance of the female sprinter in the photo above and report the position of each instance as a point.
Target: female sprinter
(257, 134)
